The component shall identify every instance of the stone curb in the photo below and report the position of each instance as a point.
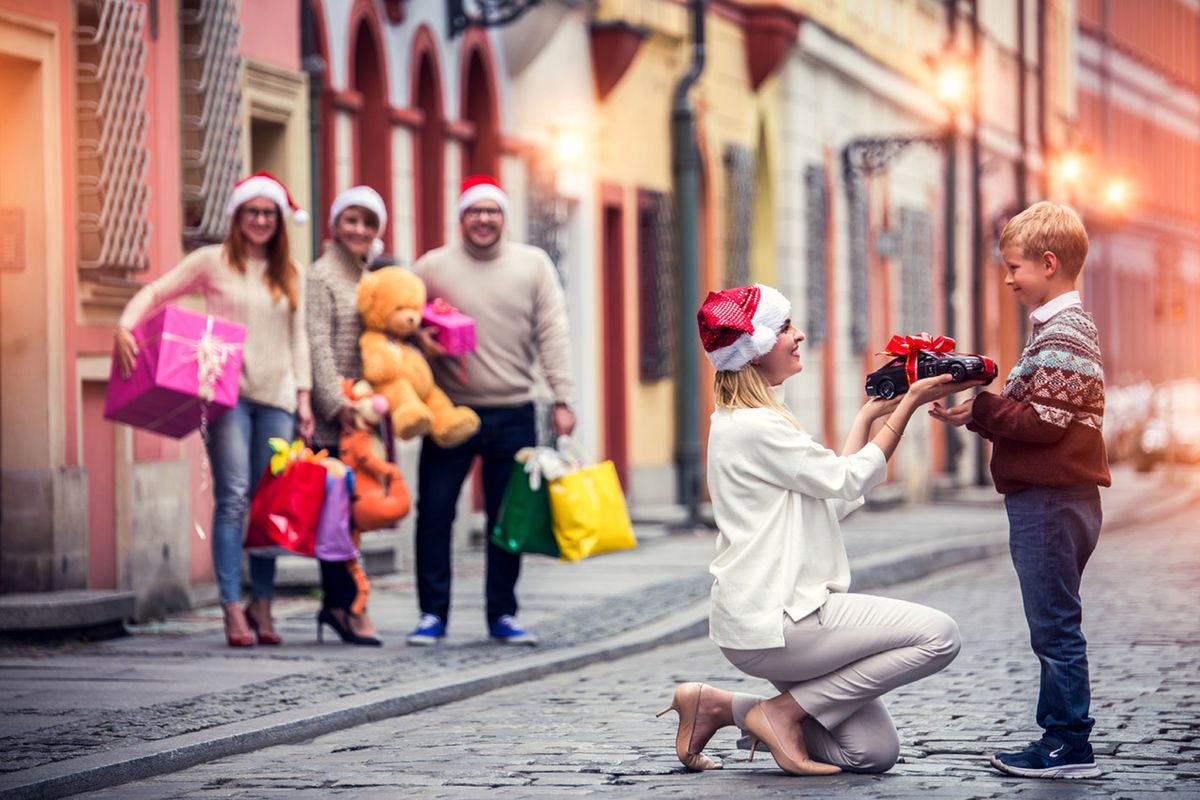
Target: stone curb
(137, 762)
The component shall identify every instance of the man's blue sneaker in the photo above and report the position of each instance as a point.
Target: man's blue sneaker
(1048, 760)
(429, 631)
(506, 631)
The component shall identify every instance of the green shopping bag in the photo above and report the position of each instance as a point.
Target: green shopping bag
(524, 525)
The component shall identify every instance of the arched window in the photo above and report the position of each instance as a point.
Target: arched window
(481, 151)
(428, 145)
(373, 141)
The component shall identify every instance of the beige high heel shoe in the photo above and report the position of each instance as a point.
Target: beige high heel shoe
(761, 730)
(686, 703)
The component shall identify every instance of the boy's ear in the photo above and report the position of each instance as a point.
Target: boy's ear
(1050, 263)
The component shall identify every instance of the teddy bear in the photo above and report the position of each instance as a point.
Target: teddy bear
(380, 494)
(391, 302)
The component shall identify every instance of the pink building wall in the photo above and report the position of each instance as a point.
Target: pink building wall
(271, 32)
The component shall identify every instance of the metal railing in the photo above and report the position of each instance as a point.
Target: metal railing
(210, 114)
(111, 119)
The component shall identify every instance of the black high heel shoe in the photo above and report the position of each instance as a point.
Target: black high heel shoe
(326, 617)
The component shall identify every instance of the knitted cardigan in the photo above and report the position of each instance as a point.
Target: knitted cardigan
(333, 330)
(1046, 423)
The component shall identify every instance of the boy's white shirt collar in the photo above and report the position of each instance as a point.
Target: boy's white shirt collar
(1048, 310)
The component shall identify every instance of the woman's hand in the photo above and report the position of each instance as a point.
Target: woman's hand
(346, 419)
(127, 350)
(929, 389)
(305, 423)
(957, 416)
(877, 407)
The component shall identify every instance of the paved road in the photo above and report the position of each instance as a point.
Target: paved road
(593, 732)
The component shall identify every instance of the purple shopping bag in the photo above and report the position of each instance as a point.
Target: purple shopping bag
(333, 529)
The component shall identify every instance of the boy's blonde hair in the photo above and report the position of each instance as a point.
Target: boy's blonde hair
(747, 388)
(1049, 226)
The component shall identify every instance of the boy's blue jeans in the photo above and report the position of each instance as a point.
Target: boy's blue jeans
(1052, 533)
(237, 447)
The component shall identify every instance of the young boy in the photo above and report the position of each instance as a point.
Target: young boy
(1048, 459)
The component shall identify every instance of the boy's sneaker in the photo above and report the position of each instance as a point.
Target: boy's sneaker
(429, 631)
(506, 631)
(1048, 760)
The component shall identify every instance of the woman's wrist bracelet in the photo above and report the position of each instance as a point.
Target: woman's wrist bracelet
(888, 424)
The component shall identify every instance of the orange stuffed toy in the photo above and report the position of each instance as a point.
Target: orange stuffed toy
(391, 302)
(380, 493)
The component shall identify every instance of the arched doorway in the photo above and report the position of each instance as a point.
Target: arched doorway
(373, 145)
(481, 152)
(428, 145)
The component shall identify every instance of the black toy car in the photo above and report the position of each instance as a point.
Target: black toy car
(891, 379)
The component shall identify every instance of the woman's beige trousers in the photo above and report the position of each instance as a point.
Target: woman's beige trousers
(839, 660)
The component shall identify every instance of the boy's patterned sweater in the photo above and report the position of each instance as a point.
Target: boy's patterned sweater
(1046, 423)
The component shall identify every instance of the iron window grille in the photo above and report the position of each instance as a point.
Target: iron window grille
(739, 213)
(916, 270)
(210, 68)
(111, 120)
(816, 249)
(656, 285)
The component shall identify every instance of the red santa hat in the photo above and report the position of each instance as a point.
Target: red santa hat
(364, 197)
(739, 325)
(478, 188)
(264, 184)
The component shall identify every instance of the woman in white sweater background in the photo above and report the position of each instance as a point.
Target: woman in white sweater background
(780, 606)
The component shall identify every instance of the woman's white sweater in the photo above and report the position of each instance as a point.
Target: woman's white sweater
(777, 496)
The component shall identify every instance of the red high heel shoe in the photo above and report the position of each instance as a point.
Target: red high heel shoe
(231, 638)
(264, 637)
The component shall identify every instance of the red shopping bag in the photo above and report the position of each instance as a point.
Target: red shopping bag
(286, 509)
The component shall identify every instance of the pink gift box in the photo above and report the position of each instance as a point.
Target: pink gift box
(188, 367)
(456, 331)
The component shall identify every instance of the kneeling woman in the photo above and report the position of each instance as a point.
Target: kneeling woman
(780, 609)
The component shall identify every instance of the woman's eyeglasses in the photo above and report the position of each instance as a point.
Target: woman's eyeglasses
(267, 214)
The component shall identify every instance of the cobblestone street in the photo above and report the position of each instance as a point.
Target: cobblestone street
(593, 731)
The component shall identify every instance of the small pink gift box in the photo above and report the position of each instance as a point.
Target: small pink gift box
(187, 370)
(456, 331)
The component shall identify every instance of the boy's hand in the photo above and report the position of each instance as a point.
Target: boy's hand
(957, 416)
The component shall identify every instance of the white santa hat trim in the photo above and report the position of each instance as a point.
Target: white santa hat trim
(478, 189)
(264, 184)
(365, 197)
(773, 310)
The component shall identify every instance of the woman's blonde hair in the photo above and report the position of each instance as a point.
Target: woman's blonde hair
(747, 388)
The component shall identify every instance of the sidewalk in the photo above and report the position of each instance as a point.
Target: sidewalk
(172, 695)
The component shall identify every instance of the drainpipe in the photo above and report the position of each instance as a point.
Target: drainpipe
(981, 477)
(950, 234)
(314, 66)
(685, 171)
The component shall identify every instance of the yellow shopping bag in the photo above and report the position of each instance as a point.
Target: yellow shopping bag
(588, 513)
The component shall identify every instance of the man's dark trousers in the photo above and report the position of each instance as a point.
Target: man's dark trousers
(503, 431)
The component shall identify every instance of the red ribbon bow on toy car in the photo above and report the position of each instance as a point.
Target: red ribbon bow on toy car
(909, 346)
(441, 307)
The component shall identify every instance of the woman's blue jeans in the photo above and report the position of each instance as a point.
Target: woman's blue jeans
(237, 447)
(1052, 532)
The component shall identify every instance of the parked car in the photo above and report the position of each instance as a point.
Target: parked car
(891, 379)
(1172, 428)
(1126, 408)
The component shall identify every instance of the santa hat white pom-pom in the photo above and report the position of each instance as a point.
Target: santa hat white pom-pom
(300, 216)
(376, 248)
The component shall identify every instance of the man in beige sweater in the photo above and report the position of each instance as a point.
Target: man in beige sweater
(512, 292)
